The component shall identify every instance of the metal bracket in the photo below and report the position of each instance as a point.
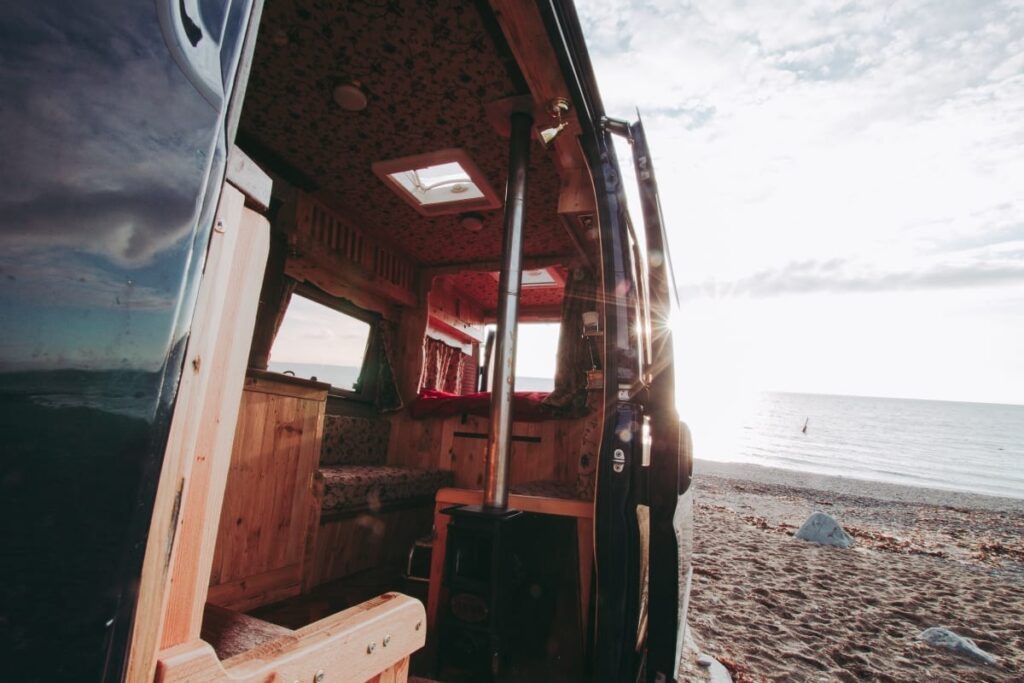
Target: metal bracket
(617, 127)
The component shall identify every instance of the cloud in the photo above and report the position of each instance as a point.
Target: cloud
(129, 225)
(854, 195)
(105, 156)
(878, 133)
(842, 276)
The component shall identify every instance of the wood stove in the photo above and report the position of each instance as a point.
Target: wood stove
(484, 571)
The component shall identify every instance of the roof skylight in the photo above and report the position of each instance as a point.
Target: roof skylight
(540, 277)
(438, 184)
(446, 181)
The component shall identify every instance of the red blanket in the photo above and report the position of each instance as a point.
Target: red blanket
(527, 406)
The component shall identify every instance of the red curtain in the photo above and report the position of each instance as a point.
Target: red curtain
(443, 367)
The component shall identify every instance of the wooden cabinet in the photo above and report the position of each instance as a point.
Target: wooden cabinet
(270, 505)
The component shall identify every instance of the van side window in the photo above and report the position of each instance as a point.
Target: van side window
(319, 342)
(536, 356)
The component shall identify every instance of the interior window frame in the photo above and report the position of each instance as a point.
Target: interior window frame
(366, 393)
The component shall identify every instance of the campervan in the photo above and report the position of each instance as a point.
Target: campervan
(266, 265)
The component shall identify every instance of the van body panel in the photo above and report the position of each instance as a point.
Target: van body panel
(112, 165)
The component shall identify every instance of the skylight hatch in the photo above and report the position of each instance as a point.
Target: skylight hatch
(538, 278)
(440, 182)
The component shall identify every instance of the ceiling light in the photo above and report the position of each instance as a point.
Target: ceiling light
(473, 222)
(350, 97)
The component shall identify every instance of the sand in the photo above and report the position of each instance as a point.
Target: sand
(774, 608)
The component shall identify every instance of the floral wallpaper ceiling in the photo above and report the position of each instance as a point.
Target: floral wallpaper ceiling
(428, 67)
(483, 288)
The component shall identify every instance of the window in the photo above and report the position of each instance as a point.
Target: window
(437, 183)
(322, 343)
(536, 356)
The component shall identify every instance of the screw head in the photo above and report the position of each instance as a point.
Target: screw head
(370, 648)
(419, 624)
(387, 639)
(319, 676)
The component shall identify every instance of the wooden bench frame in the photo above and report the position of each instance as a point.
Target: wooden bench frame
(369, 642)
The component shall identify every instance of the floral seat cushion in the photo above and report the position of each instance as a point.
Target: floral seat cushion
(357, 487)
(354, 440)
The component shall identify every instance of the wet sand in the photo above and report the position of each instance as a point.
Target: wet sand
(774, 608)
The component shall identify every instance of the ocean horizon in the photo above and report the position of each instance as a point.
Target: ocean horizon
(950, 445)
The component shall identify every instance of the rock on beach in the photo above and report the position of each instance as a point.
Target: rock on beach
(936, 636)
(824, 529)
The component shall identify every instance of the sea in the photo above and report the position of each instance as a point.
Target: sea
(973, 447)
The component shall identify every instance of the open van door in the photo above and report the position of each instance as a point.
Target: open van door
(663, 475)
(115, 131)
(670, 464)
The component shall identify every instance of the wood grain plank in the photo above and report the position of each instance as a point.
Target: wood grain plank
(339, 646)
(178, 554)
(270, 501)
(213, 446)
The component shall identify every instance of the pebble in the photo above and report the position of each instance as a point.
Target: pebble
(719, 674)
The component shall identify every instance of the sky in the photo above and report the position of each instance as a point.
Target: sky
(842, 185)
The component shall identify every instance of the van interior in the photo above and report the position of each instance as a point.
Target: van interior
(372, 159)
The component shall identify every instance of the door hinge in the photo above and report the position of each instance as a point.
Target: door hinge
(617, 127)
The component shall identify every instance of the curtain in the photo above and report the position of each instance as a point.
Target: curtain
(275, 294)
(443, 367)
(378, 376)
(269, 316)
(570, 393)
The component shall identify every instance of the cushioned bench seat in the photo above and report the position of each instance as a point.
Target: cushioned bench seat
(356, 487)
(231, 633)
(352, 463)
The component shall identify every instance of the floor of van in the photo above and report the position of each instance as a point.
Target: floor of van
(560, 660)
(335, 596)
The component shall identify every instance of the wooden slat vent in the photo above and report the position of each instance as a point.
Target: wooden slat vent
(324, 227)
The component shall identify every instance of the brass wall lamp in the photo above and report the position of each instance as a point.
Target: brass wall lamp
(557, 108)
(551, 118)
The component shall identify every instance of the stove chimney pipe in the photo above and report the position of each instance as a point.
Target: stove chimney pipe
(499, 436)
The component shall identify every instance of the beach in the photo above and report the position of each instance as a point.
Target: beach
(774, 608)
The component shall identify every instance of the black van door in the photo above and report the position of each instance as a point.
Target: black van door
(112, 150)
(670, 459)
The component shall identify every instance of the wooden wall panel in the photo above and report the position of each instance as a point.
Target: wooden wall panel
(180, 545)
(443, 444)
(455, 313)
(270, 500)
(338, 257)
(351, 544)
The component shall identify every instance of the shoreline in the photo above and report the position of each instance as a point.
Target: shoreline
(852, 486)
(775, 608)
